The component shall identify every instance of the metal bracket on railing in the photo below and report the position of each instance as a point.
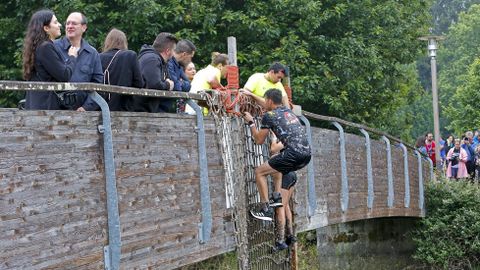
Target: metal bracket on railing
(371, 193)
(343, 161)
(312, 195)
(407, 177)
(113, 250)
(390, 197)
(420, 180)
(205, 228)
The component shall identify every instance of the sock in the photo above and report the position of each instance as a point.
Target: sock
(289, 227)
(280, 237)
(266, 206)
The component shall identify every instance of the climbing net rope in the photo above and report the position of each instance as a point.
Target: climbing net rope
(254, 239)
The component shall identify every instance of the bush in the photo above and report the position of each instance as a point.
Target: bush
(449, 235)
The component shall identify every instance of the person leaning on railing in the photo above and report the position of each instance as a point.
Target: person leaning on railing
(153, 65)
(42, 62)
(209, 77)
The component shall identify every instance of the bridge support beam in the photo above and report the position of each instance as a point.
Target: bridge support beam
(407, 177)
(371, 193)
(390, 197)
(420, 181)
(312, 195)
(432, 175)
(112, 252)
(343, 161)
(205, 228)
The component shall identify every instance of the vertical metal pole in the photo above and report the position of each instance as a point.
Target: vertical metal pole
(312, 195)
(432, 174)
(390, 197)
(114, 238)
(420, 181)
(407, 177)
(205, 227)
(371, 193)
(343, 161)
(436, 121)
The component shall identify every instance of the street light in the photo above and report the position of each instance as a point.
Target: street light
(432, 53)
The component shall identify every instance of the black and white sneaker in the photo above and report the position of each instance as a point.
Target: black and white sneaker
(276, 200)
(263, 214)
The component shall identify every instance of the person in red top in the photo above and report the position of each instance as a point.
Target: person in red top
(430, 146)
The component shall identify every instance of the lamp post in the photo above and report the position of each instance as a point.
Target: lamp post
(432, 53)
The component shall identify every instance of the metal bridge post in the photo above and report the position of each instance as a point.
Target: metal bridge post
(407, 177)
(205, 227)
(343, 161)
(312, 195)
(432, 175)
(371, 193)
(420, 181)
(390, 197)
(112, 252)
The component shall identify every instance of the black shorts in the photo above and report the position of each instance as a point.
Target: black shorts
(289, 180)
(289, 161)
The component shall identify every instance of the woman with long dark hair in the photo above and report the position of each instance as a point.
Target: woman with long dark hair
(120, 67)
(42, 62)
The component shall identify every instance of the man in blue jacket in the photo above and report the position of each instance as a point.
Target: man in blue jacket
(88, 67)
(182, 56)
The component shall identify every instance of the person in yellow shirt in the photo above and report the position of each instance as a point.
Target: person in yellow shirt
(209, 77)
(259, 83)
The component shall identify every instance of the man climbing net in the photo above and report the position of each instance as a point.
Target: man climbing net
(295, 155)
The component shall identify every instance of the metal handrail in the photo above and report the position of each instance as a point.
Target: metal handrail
(355, 125)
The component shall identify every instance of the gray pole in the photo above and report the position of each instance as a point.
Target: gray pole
(436, 121)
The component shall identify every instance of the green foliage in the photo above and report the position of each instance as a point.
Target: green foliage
(349, 59)
(449, 235)
(459, 71)
(463, 108)
(227, 261)
(445, 13)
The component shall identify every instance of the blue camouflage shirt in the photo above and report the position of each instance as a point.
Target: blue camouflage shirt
(286, 126)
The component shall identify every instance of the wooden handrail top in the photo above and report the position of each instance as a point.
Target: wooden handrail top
(55, 86)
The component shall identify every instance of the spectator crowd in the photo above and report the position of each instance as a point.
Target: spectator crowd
(165, 65)
(459, 157)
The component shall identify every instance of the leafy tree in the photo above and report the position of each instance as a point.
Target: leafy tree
(445, 13)
(447, 237)
(463, 110)
(457, 76)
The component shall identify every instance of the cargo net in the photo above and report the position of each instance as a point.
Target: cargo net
(261, 234)
(255, 239)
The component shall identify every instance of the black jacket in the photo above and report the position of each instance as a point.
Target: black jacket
(123, 71)
(49, 66)
(155, 72)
